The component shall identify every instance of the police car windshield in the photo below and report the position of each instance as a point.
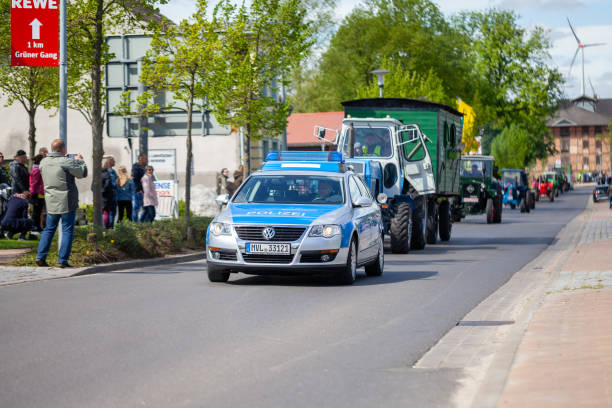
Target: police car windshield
(291, 189)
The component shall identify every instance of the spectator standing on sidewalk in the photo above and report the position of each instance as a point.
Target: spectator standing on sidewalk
(108, 192)
(113, 175)
(43, 151)
(125, 194)
(62, 200)
(149, 196)
(19, 173)
(138, 170)
(37, 191)
(4, 174)
(15, 219)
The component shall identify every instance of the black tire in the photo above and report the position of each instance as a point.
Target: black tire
(417, 239)
(513, 206)
(216, 274)
(533, 196)
(377, 267)
(432, 223)
(490, 211)
(523, 206)
(498, 208)
(556, 192)
(346, 276)
(552, 196)
(400, 229)
(444, 221)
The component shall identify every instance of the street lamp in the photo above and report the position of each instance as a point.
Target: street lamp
(380, 75)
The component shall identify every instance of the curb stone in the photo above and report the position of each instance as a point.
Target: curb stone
(140, 263)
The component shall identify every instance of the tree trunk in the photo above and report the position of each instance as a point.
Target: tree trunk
(97, 121)
(189, 157)
(32, 132)
(247, 150)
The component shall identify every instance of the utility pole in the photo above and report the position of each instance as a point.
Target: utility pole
(63, 71)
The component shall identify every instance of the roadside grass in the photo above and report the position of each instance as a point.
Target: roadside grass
(15, 244)
(128, 241)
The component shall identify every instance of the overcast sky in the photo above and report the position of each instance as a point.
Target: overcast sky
(592, 20)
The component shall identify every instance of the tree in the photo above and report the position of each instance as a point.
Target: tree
(511, 148)
(261, 46)
(181, 61)
(514, 79)
(32, 87)
(401, 83)
(410, 33)
(88, 23)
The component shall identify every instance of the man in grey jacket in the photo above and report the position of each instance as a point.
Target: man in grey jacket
(61, 198)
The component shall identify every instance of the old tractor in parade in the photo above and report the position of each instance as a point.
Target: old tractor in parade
(545, 186)
(481, 193)
(517, 193)
(408, 153)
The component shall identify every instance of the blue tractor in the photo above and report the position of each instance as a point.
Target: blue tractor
(516, 190)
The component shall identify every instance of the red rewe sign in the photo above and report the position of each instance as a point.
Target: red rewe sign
(35, 33)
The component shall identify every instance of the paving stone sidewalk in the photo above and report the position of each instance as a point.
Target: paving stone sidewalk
(565, 356)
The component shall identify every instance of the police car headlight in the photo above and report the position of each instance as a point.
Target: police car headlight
(325, 231)
(220, 228)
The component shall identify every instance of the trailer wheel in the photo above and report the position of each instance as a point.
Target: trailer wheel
(432, 222)
(445, 225)
(400, 229)
(419, 224)
(490, 211)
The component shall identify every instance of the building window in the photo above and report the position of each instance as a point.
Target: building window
(585, 130)
(598, 130)
(565, 145)
(585, 162)
(265, 147)
(598, 144)
(564, 132)
(585, 144)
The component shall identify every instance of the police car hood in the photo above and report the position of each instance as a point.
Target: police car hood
(291, 214)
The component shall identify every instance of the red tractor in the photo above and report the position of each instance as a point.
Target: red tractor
(544, 187)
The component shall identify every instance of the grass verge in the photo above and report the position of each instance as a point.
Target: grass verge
(128, 241)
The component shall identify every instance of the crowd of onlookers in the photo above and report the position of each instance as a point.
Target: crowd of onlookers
(40, 197)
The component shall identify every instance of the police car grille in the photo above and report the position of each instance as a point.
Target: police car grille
(275, 259)
(285, 234)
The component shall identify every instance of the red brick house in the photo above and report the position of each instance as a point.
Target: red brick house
(301, 134)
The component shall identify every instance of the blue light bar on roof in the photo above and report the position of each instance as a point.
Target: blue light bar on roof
(305, 156)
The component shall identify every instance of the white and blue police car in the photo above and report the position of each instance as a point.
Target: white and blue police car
(302, 213)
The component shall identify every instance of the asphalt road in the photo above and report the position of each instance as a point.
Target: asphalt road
(166, 337)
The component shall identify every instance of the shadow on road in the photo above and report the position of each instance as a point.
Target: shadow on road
(318, 281)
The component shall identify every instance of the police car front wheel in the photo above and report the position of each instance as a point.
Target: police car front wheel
(216, 274)
(348, 274)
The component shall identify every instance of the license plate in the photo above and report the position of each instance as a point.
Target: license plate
(270, 249)
(470, 199)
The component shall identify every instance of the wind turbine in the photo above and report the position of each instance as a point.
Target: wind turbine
(580, 48)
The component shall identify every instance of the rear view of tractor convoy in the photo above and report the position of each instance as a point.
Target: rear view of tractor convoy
(408, 152)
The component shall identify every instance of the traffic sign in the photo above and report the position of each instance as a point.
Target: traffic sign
(34, 33)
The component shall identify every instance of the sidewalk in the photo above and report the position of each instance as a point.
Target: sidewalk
(10, 275)
(565, 357)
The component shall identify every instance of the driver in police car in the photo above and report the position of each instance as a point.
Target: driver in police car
(325, 192)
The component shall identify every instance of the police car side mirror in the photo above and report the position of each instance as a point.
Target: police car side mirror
(321, 132)
(222, 199)
(362, 202)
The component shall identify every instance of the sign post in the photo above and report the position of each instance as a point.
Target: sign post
(34, 33)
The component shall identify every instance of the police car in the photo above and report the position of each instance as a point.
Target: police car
(303, 212)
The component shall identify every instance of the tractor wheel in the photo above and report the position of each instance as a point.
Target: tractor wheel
(490, 211)
(533, 196)
(400, 229)
(556, 192)
(537, 196)
(497, 210)
(419, 224)
(552, 196)
(523, 206)
(513, 206)
(432, 222)
(444, 224)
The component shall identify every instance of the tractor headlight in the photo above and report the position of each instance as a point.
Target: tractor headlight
(220, 228)
(325, 231)
(470, 189)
